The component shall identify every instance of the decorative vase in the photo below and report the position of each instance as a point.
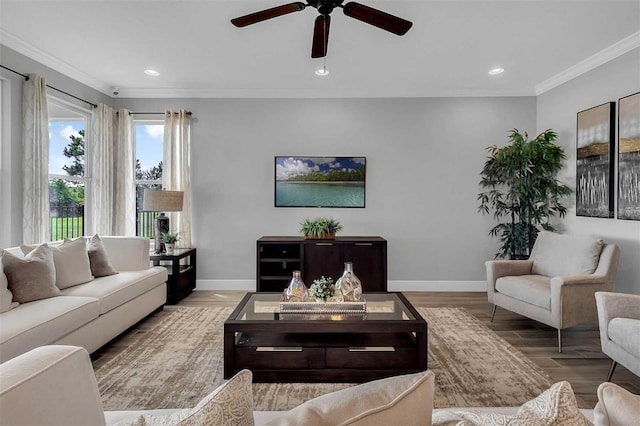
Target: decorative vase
(296, 291)
(349, 284)
(170, 247)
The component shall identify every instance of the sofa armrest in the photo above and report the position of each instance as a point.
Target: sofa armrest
(615, 305)
(619, 305)
(127, 253)
(506, 268)
(573, 297)
(52, 385)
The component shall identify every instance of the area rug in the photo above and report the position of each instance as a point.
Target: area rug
(179, 360)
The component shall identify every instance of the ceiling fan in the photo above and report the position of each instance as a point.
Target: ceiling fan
(358, 11)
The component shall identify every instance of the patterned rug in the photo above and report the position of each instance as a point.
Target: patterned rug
(178, 360)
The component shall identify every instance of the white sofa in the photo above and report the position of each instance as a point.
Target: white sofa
(91, 314)
(55, 385)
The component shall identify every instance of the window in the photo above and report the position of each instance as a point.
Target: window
(149, 140)
(68, 174)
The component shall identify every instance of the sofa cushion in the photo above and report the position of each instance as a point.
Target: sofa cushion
(6, 297)
(532, 289)
(229, 404)
(115, 290)
(98, 259)
(32, 277)
(625, 332)
(400, 400)
(616, 406)
(71, 261)
(554, 407)
(44, 321)
(556, 255)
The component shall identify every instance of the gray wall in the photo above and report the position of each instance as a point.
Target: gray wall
(11, 149)
(423, 161)
(557, 109)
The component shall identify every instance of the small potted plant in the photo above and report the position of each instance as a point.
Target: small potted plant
(170, 240)
(322, 289)
(323, 228)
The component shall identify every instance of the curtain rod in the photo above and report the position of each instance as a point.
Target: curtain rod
(26, 77)
(155, 113)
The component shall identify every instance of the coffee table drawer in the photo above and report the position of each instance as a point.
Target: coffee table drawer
(372, 357)
(269, 357)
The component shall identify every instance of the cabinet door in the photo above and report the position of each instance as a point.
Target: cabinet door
(322, 258)
(369, 264)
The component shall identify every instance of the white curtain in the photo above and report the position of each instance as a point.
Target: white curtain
(176, 169)
(113, 193)
(35, 161)
(124, 168)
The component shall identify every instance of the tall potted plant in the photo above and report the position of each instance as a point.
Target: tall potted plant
(521, 186)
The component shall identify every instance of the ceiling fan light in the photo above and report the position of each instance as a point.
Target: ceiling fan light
(496, 71)
(322, 72)
(152, 73)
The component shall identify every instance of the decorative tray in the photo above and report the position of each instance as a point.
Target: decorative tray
(323, 308)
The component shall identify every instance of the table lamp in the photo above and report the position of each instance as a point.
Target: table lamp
(161, 201)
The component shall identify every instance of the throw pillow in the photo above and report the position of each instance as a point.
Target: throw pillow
(557, 406)
(6, 297)
(616, 406)
(400, 400)
(31, 278)
(71, 261)
(230, 404)
(98, 259)
(557, 255)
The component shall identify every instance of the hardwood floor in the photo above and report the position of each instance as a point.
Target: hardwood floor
(581, 362)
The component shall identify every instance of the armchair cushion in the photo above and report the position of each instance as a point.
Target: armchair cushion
(533, 289)
(625, 332)
(556, 255)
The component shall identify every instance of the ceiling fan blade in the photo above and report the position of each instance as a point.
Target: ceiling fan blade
(320, 36)
(263, 15)
(377, 18)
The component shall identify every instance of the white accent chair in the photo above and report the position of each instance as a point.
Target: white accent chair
(619, 320)
(556, 285)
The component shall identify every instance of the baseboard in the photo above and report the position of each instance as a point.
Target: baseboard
(393, 285)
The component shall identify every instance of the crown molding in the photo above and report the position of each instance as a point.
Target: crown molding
(315, 93)
(52, 62)
(605, 55)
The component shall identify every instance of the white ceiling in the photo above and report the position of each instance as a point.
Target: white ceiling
(199, 53)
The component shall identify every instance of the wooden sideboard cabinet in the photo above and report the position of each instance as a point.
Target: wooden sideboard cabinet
(278, 257)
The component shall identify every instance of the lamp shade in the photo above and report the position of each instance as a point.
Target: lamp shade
(162, 201)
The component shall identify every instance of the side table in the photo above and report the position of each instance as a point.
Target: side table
(181, 266)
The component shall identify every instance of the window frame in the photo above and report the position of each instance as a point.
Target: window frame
(76, 113)
(136, 182)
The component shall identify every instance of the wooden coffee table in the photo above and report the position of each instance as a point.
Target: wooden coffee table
(390, 339)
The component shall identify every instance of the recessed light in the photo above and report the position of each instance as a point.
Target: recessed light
(322, 72)
(496, 71)
(152, 73)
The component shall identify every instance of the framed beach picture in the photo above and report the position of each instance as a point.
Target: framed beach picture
(629, 157)
(320, 181)
(595, 161)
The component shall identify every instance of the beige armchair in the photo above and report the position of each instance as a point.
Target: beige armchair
(619, 320)
(556, 286)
